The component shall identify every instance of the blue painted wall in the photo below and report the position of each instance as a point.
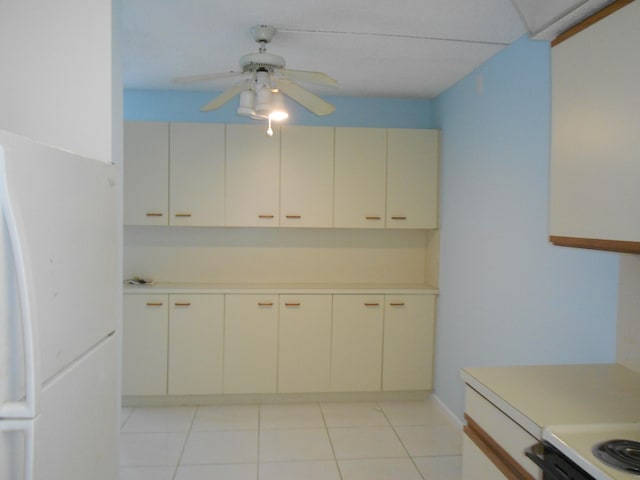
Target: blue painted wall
(507, 296)
(180, 106)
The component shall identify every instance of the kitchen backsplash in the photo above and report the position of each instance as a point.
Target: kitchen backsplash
(265, 255)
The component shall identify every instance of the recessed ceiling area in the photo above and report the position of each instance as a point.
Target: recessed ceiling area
(403, 49)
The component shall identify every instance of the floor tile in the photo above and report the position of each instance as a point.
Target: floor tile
(379, 469)
(239, 446)
(440, 468)
(317, 470)
(150, 449)
(227, 417)
(160, 419)
(294, 444)
(291, 416)
(240, 471)
(430, 440)
(353, 415)
(426, 412)
(146, 473)
(366, 442)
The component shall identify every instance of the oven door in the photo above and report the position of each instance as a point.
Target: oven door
(554, 464)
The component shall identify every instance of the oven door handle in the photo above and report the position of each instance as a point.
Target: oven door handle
(536, 454)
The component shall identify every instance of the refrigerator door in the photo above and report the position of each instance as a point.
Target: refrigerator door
(64, 207)
(74, 435)
(76, 430)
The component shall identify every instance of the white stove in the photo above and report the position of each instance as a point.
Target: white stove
(577, 442)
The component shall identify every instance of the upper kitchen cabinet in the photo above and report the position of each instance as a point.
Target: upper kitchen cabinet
(412, 178)
(253, 177)
(196, 172)
(146, 173)
(306, 176)
(595, 152)
(360, 177)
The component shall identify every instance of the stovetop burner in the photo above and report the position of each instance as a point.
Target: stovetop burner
(621, 454)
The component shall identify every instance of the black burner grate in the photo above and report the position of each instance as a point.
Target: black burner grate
(621, 454)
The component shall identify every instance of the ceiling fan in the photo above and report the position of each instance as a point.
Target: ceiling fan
(265, 78)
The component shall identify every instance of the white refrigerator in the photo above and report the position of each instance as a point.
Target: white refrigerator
(58, 315)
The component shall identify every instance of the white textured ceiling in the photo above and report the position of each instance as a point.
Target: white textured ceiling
(387, 48)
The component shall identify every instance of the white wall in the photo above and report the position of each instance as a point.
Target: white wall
(56, 80)
(507, 296)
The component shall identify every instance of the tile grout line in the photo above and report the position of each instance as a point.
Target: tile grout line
(186, 440)
(393, 427)
(333, 450)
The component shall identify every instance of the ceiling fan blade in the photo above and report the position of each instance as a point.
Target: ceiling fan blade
(317, 78)
(224, 97)
(304, 97)
(207, 77)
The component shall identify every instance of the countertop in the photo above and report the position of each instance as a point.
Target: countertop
(541, 396)
(283, 288)
(573, 407)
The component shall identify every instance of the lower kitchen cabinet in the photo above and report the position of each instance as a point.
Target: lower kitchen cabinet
(251, 343)
(144, 345)
(475, 464)
(304, 343)
(409, 322)
(356, 349)
(494, 444)
(196, 326)
(218, 343)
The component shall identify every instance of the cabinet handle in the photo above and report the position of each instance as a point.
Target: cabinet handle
(398, 218)
(292, 304)
(371, 304)
(154, 214)
(265, 216)
(183, 214)
(154, 304)
(183, 304)
(372, 218)
(397, 304)
(265, 304)
(293, 216)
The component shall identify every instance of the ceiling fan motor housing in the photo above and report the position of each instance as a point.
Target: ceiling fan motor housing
(252, 62)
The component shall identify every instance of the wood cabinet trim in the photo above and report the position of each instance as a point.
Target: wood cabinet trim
(590, 20)
(619, 246)
(504, 462)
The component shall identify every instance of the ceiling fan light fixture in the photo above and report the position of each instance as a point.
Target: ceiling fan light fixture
(263, 101)
(246, 104)
(278, 109)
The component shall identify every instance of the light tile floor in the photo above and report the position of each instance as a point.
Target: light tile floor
(391, 440)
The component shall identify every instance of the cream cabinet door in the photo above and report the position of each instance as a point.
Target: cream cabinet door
(196, 170)
(306, 176)
(253, 176)
(146, 173)
(360, 177)
(356, 349)
(144, 345)
(412, 178)
(408, 342)
(250, 343)
(304, 343)
(196, 325)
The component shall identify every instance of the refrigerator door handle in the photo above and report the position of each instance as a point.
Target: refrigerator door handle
(25, 408)
(27, 428)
